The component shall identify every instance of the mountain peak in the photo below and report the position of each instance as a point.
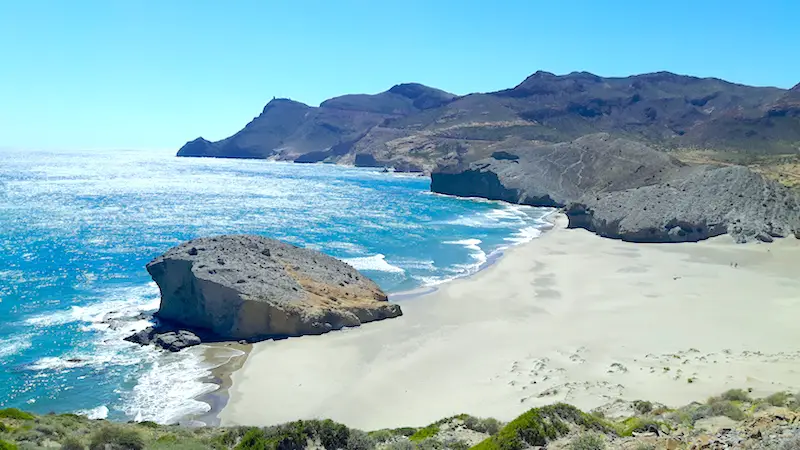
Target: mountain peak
(277, 102)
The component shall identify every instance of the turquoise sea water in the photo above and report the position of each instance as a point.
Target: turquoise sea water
(76, 230)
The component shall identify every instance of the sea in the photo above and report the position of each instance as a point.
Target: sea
(77, 229)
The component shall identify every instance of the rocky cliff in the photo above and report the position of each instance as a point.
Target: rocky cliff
(250, 287)
(626, 190)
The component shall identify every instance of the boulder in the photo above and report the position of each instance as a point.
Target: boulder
(252, 287)
(176, 341)
(167, 338)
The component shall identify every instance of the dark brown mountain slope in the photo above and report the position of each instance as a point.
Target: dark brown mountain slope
(414, 127)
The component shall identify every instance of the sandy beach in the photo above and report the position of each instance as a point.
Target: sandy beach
(567, 317)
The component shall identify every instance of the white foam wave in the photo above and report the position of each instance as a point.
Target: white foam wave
(168, 391)
(376, 263)
(473, 245)
(524, 235)
(126, 303)
(99, 413)
(14, 345)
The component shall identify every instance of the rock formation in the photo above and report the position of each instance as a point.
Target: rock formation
(252, 287)
(626, 190)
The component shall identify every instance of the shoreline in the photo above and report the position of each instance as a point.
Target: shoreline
(568, 316)
(222, 375)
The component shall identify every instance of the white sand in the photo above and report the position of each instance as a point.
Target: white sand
(567, 317)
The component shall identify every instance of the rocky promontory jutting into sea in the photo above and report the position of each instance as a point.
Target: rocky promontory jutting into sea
(245, 287)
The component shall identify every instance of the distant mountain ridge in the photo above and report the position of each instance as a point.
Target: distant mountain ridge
(415, 127)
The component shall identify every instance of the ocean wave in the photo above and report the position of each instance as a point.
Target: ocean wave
(167, 392)
(99, 413)
(123, 303)
(375, 263)
(473, 246)
(524, 235)
(14, 345)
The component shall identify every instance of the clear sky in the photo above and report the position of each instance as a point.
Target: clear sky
(154, 74)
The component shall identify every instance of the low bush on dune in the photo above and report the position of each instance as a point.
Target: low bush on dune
(14, 413)
(540, 425)
(296, 436)
(736, 395)
(488, 426)
(7, 445)
(779, 399)
(116, 437)
(588, 441)
(72, 443)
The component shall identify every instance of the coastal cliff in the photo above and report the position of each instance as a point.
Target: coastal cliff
(252, 287)
(626, 190)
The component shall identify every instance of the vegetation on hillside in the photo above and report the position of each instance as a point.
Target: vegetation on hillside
(769, 423)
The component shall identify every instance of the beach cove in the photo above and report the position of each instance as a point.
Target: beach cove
(566, 317)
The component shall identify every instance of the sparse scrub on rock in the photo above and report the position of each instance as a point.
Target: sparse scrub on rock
(116, 437)
(14, 413)
(72, 443)
(588, 441)
(763, 425)
(736, 395)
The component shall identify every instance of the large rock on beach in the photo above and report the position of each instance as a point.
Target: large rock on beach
(252, 287)
(626, 190)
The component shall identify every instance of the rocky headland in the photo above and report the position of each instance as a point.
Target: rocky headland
(244, 287)
(627, 190)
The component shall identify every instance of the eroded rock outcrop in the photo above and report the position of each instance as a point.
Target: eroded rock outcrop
(705, 203)
(251, 287)
(626, 190)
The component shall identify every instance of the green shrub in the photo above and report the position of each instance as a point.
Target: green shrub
(736, 395)
(488, 426)
(72, 443)
(254, 439)
(7, 445)
(588, 441)
(332, 435)
(381, 436)
(637, 424)
(425, 433)
(642, 407)
(14, 413)
(4, 428)
(778, 399)
(726, 408)
(148, 424)
(357, 440)
(429, 444)
(540, 425)
(117, 436)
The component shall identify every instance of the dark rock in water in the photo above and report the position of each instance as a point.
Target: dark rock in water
(166, 338)
(625, 190)
(175, 342)
(252, 287)
(144, 337)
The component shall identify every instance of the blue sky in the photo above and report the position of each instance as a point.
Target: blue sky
(155, 74)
